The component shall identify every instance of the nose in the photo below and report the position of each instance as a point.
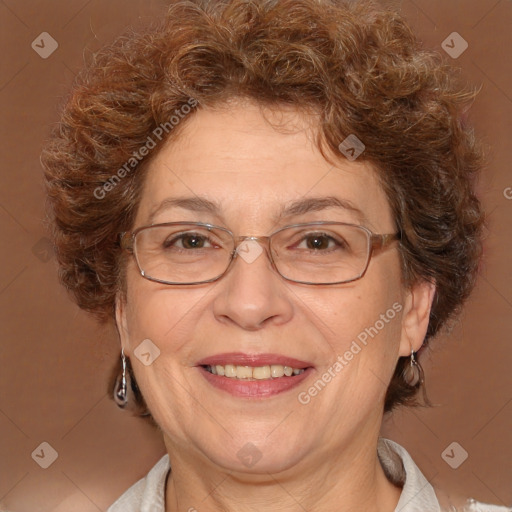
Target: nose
(252, 294)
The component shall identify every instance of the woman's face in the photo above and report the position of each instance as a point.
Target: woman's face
(235, 159)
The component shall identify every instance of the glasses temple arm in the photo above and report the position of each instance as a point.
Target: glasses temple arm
(126, 241)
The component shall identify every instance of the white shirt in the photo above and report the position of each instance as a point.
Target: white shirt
(148, 494)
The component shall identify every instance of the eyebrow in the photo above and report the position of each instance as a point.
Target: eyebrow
(194, 204)
(294, 209)
(315, 204)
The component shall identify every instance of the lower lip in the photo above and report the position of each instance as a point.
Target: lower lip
(255, 388)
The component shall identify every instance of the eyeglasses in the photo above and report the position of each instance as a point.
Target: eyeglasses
(316, 253)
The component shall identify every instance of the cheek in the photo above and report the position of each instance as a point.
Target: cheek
(161, 317)
(162, 314)
(349, 312)
(364, 335)
(362, 321)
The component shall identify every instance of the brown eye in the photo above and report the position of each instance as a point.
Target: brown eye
(193, 241)
(319, 242)
(187, 241)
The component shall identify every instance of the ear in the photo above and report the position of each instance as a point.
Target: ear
(416, 315)
(121, 322)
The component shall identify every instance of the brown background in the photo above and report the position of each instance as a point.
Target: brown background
(55, 360)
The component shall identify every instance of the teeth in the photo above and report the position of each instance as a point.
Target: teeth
(276, 370)
(243, 372)
(261, 372)
(230, 370)
(254, 373)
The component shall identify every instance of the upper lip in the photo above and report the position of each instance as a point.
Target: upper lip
(242, 359)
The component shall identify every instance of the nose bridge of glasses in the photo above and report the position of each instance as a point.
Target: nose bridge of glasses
(263, 241)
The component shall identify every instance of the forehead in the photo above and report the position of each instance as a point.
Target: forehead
(252, 170)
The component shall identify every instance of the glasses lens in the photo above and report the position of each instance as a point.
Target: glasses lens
(322, 253)
(183, 253)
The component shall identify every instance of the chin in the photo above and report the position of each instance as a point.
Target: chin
(256, 454)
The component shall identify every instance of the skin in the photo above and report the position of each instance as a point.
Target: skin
(316, 457)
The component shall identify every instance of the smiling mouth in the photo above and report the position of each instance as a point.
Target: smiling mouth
(248, 373)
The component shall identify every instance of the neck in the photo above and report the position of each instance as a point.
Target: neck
(349, 480)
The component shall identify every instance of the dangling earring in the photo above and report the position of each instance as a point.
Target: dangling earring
(412, 372)
(120, 388)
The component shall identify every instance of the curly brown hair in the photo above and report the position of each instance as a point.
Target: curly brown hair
(357, 66)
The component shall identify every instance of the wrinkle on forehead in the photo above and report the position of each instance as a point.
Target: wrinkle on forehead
(234, 158)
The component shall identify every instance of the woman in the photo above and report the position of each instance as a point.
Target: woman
(273, 201)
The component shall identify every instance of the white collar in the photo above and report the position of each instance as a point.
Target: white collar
(148, 494)
(417, 494)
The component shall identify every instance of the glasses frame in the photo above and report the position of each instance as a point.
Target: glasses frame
(376, 242)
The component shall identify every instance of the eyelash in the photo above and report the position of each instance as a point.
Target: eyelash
(180, 237)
